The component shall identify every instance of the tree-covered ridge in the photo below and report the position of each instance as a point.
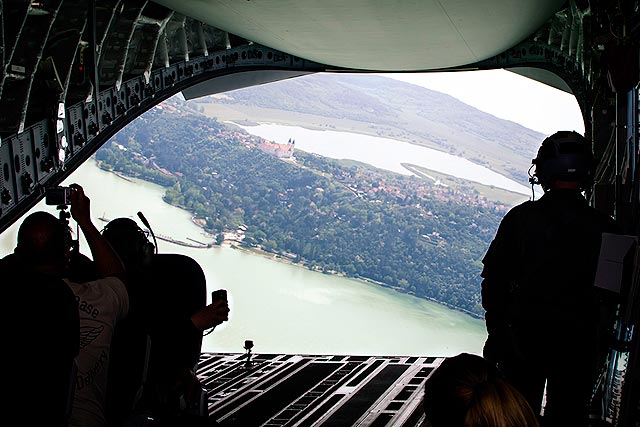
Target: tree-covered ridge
(332, 216)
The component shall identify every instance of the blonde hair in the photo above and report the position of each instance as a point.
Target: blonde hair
(466, 391)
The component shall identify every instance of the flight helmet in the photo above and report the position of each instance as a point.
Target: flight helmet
(564, 156)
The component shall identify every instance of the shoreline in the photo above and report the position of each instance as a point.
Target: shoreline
(283, 259)
(280, 258)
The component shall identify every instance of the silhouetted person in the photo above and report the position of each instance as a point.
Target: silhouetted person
(44, 244)
(169, 299)
(40, 341)
(468, 391)
(542, 309)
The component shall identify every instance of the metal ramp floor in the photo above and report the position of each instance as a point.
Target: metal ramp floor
(311, 390)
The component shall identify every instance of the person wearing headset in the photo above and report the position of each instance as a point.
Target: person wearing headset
(168, 304)
(542, 310)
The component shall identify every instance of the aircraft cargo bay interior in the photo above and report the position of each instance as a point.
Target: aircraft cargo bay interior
(75, 73)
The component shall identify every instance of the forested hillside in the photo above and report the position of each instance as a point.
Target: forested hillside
(386, 107)
(331, 216)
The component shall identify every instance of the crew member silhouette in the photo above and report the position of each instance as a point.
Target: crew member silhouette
(542, 310)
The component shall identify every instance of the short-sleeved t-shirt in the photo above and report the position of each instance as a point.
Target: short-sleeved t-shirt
(101, 304)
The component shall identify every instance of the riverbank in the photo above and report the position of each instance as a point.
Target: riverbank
(293, 259)
(277, 305)
(283, 259)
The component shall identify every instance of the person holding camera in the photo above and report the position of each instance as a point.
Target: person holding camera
(44, 246)
(543, 314)
(169, 306)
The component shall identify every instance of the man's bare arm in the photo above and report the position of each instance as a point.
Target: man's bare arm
(106, 260)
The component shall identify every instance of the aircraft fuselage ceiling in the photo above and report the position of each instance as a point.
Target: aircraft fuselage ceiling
(75, 72)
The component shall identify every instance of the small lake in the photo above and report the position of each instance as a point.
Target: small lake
(383, 153)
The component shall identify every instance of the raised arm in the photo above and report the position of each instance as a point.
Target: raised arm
(105, 258)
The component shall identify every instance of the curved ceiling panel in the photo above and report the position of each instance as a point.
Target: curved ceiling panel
(378, 35)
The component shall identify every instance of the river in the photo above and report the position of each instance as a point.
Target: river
(283, 308)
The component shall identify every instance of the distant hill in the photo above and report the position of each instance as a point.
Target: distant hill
(386, 107)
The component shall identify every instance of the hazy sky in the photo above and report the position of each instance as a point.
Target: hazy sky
(508, 96)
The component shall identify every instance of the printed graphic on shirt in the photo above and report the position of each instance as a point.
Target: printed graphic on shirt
(86, 379)
(88, 308)
(88, 334)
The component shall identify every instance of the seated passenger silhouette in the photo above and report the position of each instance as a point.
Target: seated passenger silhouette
(543, 313)
(169, 299)
(39, 347)
(468, 391)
